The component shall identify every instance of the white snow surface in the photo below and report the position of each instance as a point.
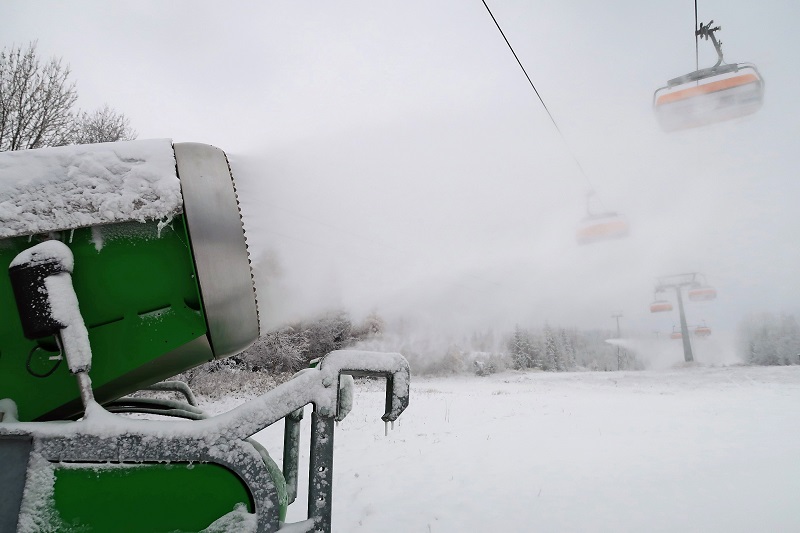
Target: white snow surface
(52, 189)
(684, 449)
(238, 520)
(37, 513)
(75, 336)
(45, 252)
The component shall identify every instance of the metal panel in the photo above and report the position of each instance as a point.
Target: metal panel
(320, 472)
(14, 453)
(219, 247)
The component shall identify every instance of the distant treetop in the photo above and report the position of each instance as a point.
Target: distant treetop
(37, 102)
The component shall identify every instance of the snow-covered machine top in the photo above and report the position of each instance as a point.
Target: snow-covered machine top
(52, 189)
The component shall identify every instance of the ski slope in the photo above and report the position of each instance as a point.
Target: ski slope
(685, 449)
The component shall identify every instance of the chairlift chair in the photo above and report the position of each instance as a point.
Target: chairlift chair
(660, 306)
(702, 294)
(702, 331)
(706, 96)
(601, 227)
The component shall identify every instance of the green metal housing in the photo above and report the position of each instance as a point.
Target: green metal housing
(145, 497)
(138, 295)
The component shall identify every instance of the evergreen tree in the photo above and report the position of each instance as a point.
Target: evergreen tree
(520, 349)
(569, 350)
(551, 352)
(537, 352)
(771, 340)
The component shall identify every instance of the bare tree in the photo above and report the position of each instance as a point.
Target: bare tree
(281, 350)
(36, 106)
(102, 125)
(36, 100)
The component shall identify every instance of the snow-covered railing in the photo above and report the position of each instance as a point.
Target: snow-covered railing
(105, 437)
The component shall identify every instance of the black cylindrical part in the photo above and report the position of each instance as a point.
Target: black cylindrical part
(30, 293)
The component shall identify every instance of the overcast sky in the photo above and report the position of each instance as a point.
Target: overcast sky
(391, 156)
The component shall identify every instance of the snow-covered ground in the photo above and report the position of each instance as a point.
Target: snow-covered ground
(686, 449)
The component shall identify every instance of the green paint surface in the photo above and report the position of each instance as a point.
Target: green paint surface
(160, 498)
(138, 294)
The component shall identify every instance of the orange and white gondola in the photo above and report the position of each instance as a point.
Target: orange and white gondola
(710, 95)
(702, 331)
(602, 227)
(702, 294)
(660, 306)
(597, 227)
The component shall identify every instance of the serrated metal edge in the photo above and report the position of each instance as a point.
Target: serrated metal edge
(246, 245)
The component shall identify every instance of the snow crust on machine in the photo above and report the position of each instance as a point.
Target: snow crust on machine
(51, 189)
(237, 521)
(38, 512)
(46, 252)
(62, 299)
(75, 336)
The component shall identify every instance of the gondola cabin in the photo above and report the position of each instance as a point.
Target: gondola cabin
(660, 306)
(603, 227)
(702, 294)
(702, 331)
(705, 96)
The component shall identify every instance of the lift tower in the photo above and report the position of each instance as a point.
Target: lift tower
(617, 316)
(697, 289)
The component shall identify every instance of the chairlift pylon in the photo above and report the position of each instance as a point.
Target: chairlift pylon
(706, 96)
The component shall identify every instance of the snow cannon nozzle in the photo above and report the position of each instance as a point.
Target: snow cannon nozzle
(392, 366)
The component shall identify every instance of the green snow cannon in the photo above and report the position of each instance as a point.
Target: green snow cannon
(163, 276)
(127, 262)
(164, 284)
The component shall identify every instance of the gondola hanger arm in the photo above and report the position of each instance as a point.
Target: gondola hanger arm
(707, 32)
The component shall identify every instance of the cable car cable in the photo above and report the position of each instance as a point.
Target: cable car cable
(696, 42)
(549, 114)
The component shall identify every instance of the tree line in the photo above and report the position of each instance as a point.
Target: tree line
(765, 338)
(768, 339)
(549, 348)
(38, 105)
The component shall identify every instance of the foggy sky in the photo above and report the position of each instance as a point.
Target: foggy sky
(391, 156)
